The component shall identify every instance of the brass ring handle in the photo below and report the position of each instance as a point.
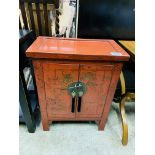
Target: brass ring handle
(76, 89)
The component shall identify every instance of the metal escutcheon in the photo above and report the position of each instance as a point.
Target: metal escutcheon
(77, 88)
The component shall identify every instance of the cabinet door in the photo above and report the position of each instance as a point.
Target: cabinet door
(57, 77)
(97, 78)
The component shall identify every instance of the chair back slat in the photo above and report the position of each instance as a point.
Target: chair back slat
(20, 24)
(39, 17)
(23, 12)
(46, 18)
(31, 15)
(57, 17)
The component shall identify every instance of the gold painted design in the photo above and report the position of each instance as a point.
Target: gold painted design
(104, 98)
(88, 76)
(108, 77)
(90, 83)
(67, 78)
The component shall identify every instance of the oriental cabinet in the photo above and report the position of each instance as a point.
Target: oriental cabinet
(76, 78)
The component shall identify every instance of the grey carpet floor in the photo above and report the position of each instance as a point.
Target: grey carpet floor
(80, 138)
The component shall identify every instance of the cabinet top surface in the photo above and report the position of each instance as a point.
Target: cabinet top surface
(78, 49)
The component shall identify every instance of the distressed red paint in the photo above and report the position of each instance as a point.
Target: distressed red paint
(58, 62)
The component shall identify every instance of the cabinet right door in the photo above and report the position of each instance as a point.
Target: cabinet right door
(97, 78)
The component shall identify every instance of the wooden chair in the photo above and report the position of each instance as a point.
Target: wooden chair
(35, 16)
(129, 46)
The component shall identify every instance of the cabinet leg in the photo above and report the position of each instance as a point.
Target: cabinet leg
(45, 127)
(101, 126)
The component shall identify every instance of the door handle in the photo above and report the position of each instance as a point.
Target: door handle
(73, 105)
(73, 101)
(79, 104)
(76, 90)
(80, 93)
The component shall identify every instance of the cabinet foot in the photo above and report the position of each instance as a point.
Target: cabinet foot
(45, 126)
(101, 126)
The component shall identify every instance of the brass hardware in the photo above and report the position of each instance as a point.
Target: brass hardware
(77, 89)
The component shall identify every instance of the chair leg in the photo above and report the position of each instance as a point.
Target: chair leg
(125, 97)
(124, 122)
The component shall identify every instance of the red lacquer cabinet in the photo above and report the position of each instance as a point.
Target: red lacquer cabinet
(76, 78)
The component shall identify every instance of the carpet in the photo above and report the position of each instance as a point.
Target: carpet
(80, 138)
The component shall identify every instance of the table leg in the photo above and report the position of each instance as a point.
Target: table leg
(25, 104)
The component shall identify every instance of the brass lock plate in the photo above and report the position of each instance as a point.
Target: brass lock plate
(77, 89)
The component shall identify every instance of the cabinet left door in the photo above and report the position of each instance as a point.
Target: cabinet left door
(57, 77)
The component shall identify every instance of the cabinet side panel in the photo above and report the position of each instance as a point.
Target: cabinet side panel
(38, 70)
(111, 91)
